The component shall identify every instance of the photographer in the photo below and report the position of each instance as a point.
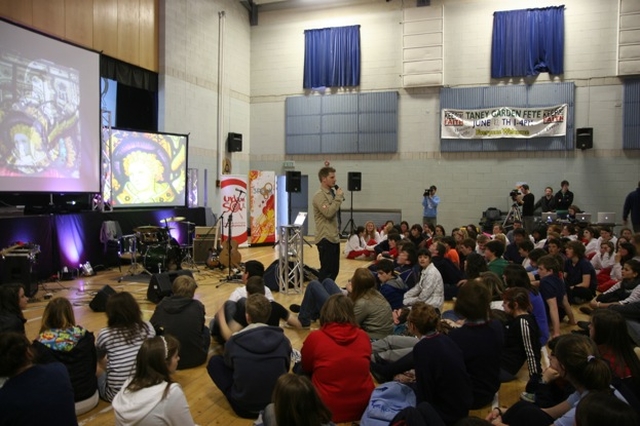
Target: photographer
(430, 203)
(527, 203)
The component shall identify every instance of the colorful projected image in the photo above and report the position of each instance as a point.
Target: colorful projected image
(39, 118)
(148, 169)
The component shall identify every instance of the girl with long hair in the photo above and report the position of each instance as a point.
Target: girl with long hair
(576, 359)
(625, 291)
(337, 356)
(355, 248)
(13, 301)
(371, 309)
(608, 329)
(296, 402)
(516, 276)
(151, 396)
(118, 343)
(62, 340)
(371, 234)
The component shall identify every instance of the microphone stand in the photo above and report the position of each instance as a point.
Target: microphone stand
(230, 278)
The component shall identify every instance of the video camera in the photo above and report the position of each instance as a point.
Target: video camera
(514, 194)
(428, 191)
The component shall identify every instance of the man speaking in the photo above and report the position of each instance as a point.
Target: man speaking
(326, 203)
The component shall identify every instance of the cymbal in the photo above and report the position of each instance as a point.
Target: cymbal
(174, 219)
(189, 223)
(147, 228)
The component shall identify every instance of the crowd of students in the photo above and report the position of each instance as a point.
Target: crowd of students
(512, 291)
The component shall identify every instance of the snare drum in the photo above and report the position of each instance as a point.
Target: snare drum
(128, 245)
(148, 237)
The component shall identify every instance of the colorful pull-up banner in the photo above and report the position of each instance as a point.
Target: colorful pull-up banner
(235, 202)
(504, 122)
(262, 185)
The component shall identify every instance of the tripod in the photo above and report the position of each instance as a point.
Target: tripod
(188, 257)
(230, 278)
(350, 223)
(514, 214)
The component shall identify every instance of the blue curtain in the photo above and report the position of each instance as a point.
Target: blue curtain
(527, 42)
(332, 57)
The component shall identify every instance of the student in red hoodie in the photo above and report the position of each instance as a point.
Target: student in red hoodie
(337, 357)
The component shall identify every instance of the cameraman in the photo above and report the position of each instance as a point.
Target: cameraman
(430, 203)
(527, 203)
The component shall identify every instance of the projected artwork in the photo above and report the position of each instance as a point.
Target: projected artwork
(148, 169)
(39, 118)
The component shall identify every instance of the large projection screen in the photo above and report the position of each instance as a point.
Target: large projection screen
(147, 169)
(49, 114)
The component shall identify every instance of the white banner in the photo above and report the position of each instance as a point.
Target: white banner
(234, 200)
(504, 122)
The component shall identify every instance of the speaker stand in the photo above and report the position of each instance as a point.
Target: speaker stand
(350, 224)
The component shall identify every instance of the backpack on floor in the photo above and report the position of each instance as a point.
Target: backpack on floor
(387, 400)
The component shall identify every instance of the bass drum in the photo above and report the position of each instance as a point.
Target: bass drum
(162, 258)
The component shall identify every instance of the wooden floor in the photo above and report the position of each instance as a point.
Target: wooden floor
(208, 405)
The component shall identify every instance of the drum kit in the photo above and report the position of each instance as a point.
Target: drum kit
(157, 249)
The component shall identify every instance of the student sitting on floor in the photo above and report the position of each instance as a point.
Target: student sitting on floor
(391, 286)
(430, 289)
(182, 316)
(253, 360)
(356, 246)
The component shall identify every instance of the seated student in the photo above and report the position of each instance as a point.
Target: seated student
(451, 275)
(430, 289)
(34, 394)
(388, 247)
(609, 331)
(182, 316)
(624, 252)
(371, 234)
(372, 311)
(391, 286)
(606, 235)
(625, 291)
(524, 248)
(603, 408)
(555, 247)
(579, 275)
(575, 358)
(118, 343)
(497, 229)
(516, 276)
(257, 351)
(590, 240)
(517, 224)
(337, 358)
(481, 243)
(385, 230)
(61, 340)
(553, 291)
(404, 229)
(532, 258)
(493, 254)
(150, 396)
(521, 339)
(13, 301)
(512, 252)
(465, 248)
(406, 264)
(228, 326)
(539, 235)
(355, 247)
(451, 253)
(252, 268)
(604, 258)
(569, 231)
(441, 375)
(296, 402)
(415, 234)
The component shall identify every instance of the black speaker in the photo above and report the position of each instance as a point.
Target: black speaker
(584, 138)
(294, 181)
(234, 142)
(354, 181)
(160, 284)
(99, 302)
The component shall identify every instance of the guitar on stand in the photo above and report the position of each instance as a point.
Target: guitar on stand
(230, 256)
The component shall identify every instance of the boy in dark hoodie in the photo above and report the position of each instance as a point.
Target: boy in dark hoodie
(182, 316)
(253, 359)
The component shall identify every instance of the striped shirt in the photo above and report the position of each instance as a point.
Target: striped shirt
(121, 356)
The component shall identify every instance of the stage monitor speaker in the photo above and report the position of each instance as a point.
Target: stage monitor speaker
(354, 181)
(584, 138)
(294, 181)
(160, 284)
(202, 249)
(234, 142)
(99, 302)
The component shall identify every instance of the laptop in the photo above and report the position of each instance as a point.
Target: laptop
(302, 216)
(606, 217)
(583, 217)
(549, 216)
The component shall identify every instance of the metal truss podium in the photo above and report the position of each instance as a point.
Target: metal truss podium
(290, 259)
